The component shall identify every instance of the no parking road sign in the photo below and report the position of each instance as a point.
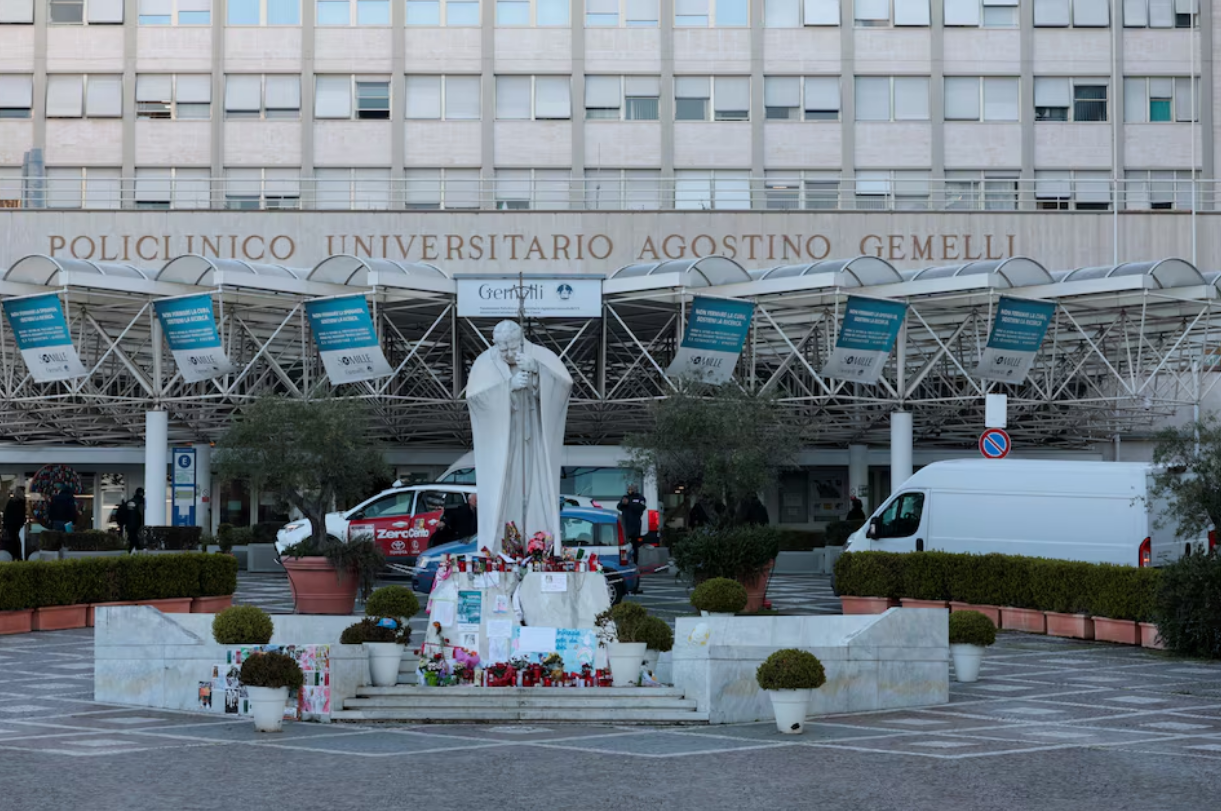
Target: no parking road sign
(994, 444)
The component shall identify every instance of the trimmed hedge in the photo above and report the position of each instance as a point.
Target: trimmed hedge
(91, 540)
(170, 538)
(1188, 606)
(31, 584)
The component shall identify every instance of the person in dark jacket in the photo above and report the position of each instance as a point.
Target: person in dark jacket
(631, 511)
(753, 511)
(457, 523)
(14, 521)
(62, 510)
(857, 513)
(131, 518)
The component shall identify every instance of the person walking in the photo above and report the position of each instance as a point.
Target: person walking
(631, 510)
(14, 522)
(131, 518)
(62, 512)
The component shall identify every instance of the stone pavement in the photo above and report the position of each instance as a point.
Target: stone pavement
(1051, 725)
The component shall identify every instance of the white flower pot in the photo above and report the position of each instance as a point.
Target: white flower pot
(384, 661)
(966, 661)
(790, 707)
(267, 706)
(717, 614)
(650, 660)
(625, 661)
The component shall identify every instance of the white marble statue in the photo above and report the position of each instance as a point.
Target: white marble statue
(517, 394)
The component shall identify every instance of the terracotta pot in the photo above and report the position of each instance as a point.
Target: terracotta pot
(1074, 626)
(173, 605)
(59, 617)
(1149, 637)
(992, 612)
(908, 602)
(211, 605)
(1023, 619)
(756, 589)
(1124, 632)
(89, 613)
(16, 622)
(867, 605)
(317, 589)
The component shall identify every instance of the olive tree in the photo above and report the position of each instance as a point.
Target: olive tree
(1188, 475)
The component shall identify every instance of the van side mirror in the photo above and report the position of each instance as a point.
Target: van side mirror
(875, 524)
(358, 516)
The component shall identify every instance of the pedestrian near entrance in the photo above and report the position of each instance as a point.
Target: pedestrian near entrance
(62, 512)
(631, 508)
(458, 523)
(14, 522)
(857, 513)
(130, 518)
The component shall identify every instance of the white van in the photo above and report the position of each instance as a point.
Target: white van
(1098, 512)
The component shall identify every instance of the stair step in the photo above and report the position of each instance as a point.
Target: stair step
(551, 693)
(533, 715)
(592, 703)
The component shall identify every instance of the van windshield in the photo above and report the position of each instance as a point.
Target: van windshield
(902, 517)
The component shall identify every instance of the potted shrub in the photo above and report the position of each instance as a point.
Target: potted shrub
(217, 584)
(1186, 608)
(1062, 589)
(169, 583)
(627, 652)
(242, 625)
(788, 676)
(976, 583)
(268, 677)
(18, 596)
(311, 455)
(742, 553)
(868, 582)
(60, 587)
(658, 638)
(970, 633)
(1116, 603)
(384, 639)
(1019, 609)
(719, 597)
(925, 580)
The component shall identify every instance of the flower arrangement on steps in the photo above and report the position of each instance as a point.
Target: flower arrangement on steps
(625, 627)
(267, 677)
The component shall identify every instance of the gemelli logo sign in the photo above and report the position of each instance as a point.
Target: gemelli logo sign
(541, 297)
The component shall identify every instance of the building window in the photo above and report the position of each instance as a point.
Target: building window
(251, 96)
(626, 13)
(77, 96)
(353, 12)
(540, 13)
(264, 12)
(1062, 99)
(259, 189)
(83, 188)
(533, 189)
(892, 98)
(786, 190)
(1075, 13)
(623, 189)
(981, 13)
(727, 97)
(712, 13)
(175, 12)
(16, 95)
(65, 12)
(981, 99)
(886, 13)
(892, 190)
(627, 98)
(541, 98)
(352, 189)
(792, 98)
(167, 96)
(333, 97)
(1158, 190)
(161, 188)
(988, 190)
(799, 13)
(1075, 190)
(452, 98)
(711, 189)
(437, 189)
(1161, 13)
(1160, 100)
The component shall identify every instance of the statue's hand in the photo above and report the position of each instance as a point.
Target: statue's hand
(526, 363)
(521, 380)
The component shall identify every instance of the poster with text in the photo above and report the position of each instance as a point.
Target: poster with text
(41, 333)
(867, 335)
(190, 331)
(346, 340)
(1017, 333)
(712, 343)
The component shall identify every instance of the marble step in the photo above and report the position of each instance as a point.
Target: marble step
(551, 693)
(447, 702)
(618, 715)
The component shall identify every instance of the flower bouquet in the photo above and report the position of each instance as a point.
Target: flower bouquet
(553, 665)
(502, 674)
(512, 545)
(538, 548)
(435, 669)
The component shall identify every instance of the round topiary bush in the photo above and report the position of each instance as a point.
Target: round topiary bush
(242, 625)
(392, 601)
(627, 618)
(272, 669)
(791, 669)
(367, 630)
(656, 634)
(720, 595)
(971, 628)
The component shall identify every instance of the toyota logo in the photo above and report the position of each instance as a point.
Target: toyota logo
(398, 546)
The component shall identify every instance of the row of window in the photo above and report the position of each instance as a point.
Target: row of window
(625, 13)
(629, 98)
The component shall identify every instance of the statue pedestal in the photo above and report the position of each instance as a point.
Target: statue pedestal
(584, 597)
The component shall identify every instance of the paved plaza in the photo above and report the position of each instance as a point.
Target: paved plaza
(1052, 724)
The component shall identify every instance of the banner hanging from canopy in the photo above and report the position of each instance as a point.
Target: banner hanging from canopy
(1017, 333)
(343, 331)
(867, 334)
(42, 336)
(190, 330)
(712, 343)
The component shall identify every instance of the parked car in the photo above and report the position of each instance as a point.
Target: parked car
(598, 532)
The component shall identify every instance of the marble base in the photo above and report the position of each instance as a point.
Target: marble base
(145, 658)
(587, 597)
(873, 661)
